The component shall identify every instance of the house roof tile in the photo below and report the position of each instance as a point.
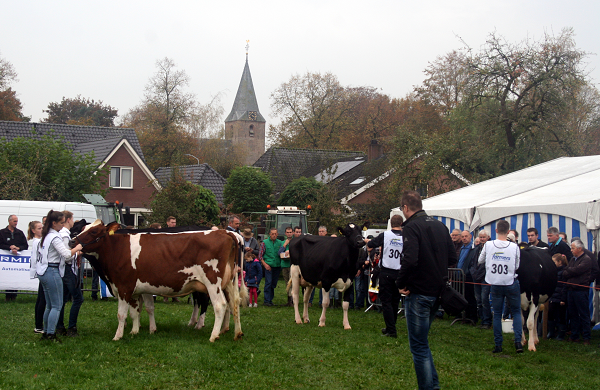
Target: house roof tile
(202, 174)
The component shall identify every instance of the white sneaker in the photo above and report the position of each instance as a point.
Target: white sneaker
(255, 304)
(36, 330)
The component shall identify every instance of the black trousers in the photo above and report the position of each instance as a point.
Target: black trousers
(390, 298)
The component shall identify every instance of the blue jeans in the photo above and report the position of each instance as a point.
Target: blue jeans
(270, 283)
(579, 314)
(360, 283)
(53, 290)
(70, 287)
(484, 311)
(420, 312)
(512, 294)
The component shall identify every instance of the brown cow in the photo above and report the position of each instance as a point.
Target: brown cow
(170, 265)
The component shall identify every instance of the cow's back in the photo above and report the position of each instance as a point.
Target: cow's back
(537, 272)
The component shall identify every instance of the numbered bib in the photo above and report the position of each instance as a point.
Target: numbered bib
(500, 261)
(392, 250)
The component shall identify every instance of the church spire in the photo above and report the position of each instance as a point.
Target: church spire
(245, 106)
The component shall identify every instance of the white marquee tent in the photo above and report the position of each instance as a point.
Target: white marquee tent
(564, 192)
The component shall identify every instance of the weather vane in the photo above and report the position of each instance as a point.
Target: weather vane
(247, 47)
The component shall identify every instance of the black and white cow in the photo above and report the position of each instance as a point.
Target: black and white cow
(537, 279)
(324, 262)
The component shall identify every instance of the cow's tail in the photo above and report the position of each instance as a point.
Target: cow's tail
(239, 285)
(288, 287)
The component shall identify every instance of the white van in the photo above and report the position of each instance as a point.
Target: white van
(31, 210)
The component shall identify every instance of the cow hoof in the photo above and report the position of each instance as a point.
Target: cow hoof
(191, 323)
(347, 327)
(199, 327)
(116, 338)
(298, 322)
(307, 321)
(238, 336)
(321, 325)
(152, 330)
(134, 332)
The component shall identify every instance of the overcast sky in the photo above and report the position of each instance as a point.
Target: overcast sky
(106, 50)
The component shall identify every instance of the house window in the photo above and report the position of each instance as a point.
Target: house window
(251, 130)
(422, 188)
(121, 177)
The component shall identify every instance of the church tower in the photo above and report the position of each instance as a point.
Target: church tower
(245, 126)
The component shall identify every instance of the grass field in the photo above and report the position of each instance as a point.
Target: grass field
(275, 353)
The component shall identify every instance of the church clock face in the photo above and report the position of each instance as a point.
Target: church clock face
(252, 115)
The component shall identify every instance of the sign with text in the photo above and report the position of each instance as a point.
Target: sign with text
(14, 271)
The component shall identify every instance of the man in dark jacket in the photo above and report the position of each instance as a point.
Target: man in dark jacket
(481, 288)
(557, 244)
(13, 240)
(427, 251)
(578, 274)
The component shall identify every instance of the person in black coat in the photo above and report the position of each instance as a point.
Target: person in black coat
(13, 240)
(557, 244)
(557, 318)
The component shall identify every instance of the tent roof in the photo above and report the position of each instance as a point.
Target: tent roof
(567, 185)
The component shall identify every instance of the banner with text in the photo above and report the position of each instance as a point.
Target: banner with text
(14, 271)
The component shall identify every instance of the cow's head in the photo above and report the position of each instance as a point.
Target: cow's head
(93, 233)
(353, 234)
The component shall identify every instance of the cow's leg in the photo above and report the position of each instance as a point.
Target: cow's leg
(194, 318)
(122, 316)
(295, 281)
(325, 306)
(220, 306)
(345, 306)
(307, 294)
(149, 303)
(227, 317)
(232, 292)
(203, 302)
(532, 326)
(134, 312)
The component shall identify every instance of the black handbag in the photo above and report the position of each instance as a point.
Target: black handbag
(451, 301)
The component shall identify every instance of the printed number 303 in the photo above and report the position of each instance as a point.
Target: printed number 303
(500, 269)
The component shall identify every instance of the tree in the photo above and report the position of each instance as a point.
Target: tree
(310, 107)
(44, 169)
(10, 105)
(8, 75)
(248, 189)
(301, 192)
(502, 108)
(191, 204)
(81, 111)
(169, 121)
(316, 111)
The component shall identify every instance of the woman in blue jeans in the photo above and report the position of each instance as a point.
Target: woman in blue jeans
(50, 268)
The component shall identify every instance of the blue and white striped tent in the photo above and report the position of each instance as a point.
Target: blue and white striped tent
(564, 193)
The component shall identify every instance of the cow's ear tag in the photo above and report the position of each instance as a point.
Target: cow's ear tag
(364, 228)
(110, 233)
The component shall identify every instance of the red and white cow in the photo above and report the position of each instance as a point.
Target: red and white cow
(170, 265)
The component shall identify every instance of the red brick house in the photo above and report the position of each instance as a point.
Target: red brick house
(131, 182)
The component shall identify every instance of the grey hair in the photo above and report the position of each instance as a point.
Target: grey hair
(578, 244)
(484, 232)
(231, 218)
(552, 230)
(322, 227)
(10, 217)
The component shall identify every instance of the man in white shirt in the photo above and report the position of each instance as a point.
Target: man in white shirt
(501, 259)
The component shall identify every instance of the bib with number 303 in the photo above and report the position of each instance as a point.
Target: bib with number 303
(500, 261)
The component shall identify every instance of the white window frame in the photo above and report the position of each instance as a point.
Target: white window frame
(121, 168)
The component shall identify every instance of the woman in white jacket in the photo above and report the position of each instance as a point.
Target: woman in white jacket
(51, 267)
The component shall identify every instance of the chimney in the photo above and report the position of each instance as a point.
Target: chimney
(375, 150)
